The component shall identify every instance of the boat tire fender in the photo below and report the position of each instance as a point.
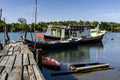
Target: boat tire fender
(74, 34)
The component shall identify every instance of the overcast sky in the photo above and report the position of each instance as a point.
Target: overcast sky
(61, 10)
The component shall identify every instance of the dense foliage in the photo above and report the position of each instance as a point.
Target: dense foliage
(42, 26)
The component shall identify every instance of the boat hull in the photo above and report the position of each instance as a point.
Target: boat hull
(84, 40)
(92, 39)
(51, 63)
(45, 46)
(87, 66)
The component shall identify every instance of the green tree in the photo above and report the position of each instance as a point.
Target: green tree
(2, 24)
(81, 23)
(95, 23)
(23, 23)
(87, 23)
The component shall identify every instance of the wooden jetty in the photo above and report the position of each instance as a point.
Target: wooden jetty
(17, 63)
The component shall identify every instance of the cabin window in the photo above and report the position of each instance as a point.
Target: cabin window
(80, 31)
(83, 36)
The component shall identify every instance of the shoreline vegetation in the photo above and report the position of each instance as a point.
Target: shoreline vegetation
(22, 25)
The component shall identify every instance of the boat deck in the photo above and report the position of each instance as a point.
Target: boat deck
(17, 63)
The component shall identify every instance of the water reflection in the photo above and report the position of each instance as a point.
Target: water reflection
(80, 54)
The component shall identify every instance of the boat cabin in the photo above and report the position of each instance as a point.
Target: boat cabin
(80, 31)
(58, 31)
(68, 31)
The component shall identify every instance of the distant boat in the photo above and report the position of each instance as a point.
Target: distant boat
(50, 62)
(87, 66)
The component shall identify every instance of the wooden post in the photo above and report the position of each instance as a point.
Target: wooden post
(25, 33)
(6, 37)
(39, 58)
(1, 46)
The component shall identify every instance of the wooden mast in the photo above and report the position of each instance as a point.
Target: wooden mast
(35, 16)
(0, 14)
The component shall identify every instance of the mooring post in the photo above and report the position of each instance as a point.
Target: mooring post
(39, 58)
(1, 46)
(6, 37)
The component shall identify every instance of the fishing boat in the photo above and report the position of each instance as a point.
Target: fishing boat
(87, 66)
(50, 62)
(85, 32)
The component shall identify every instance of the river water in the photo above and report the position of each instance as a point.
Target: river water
(107, 51)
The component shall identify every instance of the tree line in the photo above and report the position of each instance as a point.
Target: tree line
(22, 25)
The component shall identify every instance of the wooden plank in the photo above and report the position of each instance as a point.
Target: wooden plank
(11, 49)
(25, 59)
(1, 59)
(4, 53)
(16, 48)
(1, 69)
(38, 73)
(25, 74)
(16, 74)
(3, 75)
(10, 53)
(7, 47)
(31, 59)
(18, 61)
(4, 61)
(15, 52)
(31, 72)
(9, 64)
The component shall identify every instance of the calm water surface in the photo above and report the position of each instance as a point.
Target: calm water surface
(107, 51)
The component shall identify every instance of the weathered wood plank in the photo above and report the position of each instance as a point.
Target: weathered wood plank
(38, 73)
(7, 47)
(16, 48)
(10, 53)
(18, 61)
(3, 75)
(9, 64)
(1, 69)
(25, 74)
(4, 61)
(31, 59)
(11, 48)
(31, 72)
(16, 74)
(15, 52)
(4, 53)
(25, 59)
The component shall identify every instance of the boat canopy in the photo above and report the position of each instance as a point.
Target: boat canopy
(37, 35)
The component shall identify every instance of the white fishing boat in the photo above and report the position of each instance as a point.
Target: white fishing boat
(85, 32)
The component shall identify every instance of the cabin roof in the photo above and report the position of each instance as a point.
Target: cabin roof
(79, 27)
(69, 27)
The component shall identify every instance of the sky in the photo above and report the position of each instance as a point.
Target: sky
(61, 10)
